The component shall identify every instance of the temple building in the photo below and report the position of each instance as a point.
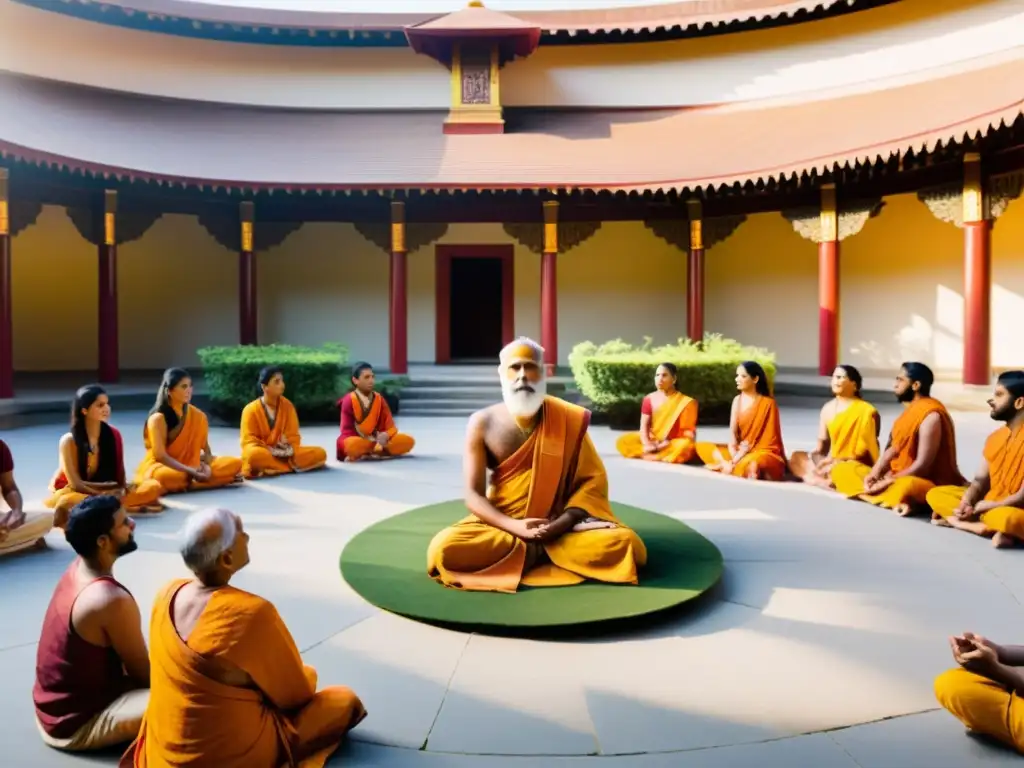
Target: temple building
(421, 180)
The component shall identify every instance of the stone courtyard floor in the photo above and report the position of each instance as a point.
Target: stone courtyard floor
(817, 651)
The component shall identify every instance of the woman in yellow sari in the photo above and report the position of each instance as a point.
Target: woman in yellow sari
(92, 462)
(177, 439)
(271, 444)
(668, 423)
(848, 431)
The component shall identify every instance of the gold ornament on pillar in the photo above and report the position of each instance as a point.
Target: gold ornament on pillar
(830, 221)
(247, 213)
(974, 191)
(109, 214)
(695, 212)
(5, 215)
(829, 218)
(550, 226)
(397, 227)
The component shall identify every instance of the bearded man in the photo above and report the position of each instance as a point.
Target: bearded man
(545, 519)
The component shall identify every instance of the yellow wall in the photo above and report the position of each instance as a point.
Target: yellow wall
(901, 283)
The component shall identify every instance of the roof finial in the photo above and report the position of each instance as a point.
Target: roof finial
(475, 4)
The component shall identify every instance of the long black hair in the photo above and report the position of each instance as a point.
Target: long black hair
(108, 469)
(754, 370)
(853, 375)
(265, 376)
(172, 378)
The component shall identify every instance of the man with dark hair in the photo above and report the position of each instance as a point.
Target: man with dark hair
(920, 455)
(367, 426)
(92, 666)
(19, 530)
(993, 504)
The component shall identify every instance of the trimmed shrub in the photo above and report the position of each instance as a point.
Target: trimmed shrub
(315, 377)
(615, 376)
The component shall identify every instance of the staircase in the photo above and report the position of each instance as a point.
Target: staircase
(455, 390)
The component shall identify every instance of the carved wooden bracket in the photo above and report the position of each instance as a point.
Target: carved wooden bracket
(676, 232)
(853, 215)
(946, 202)
(129, 227)
(570, 234)
(226, 229)
(417, 235)
(23, 214)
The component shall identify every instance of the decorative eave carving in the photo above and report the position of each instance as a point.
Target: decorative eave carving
(225, 229)
(852, 217)
(946, 200)
(130, 226)
(23, 213)
(417, 235)
(570, 234)
(714, 230)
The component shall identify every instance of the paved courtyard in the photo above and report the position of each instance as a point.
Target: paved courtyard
(818, 650)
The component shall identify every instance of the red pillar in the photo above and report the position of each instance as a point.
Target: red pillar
(828, 283)
(6, 313)
(247, 309)
(398, 301)
(549, 288)
(977, 302)
(977, 276)
(109, 358)
(695, 274)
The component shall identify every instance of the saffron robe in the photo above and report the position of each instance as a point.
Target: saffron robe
(1004, 452)
(848, 476)
(853, 434)
(259, 436)
(982, 705)
(193, 720)
(760, 428)
(674, 420)
(555, 469)
(139, 499)
(359, 429)
(186, 447)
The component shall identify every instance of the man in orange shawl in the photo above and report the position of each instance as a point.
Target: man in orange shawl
(920, 455)
(367, 426)
(545, 520)
(756, 451)
(271, 443)
(993, 505)
(847, 431)
(177, 440)
(227, 685)
(668, 423)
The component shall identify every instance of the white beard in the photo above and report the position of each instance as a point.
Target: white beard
(523, 405)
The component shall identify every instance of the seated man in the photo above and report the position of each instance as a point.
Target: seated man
(19, 530)
(229, 688)
(921, 452)
(367, 426)
(993, 505)
(92, 668)
(668, 423)
(545, 519)
(984, 692)
(177, 440)
(271, 444)
(847, 431)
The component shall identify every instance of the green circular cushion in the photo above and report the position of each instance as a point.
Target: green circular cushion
(387, 565)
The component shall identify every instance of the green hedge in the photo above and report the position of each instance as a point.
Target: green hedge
(615, 376)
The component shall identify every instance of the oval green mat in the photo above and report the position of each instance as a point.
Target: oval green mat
(387, 565)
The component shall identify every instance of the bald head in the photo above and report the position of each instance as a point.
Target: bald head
(206, 535)
(521, 367)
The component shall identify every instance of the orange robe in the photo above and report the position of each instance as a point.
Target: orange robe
(139, 500)
(676, 421)
(556, 468)
(193, 720)
(761, 429)
(259, 436)
(982, 705)
(853, 434)
(187, 448)
(848, 476)
(1004, 452)
(359, 429)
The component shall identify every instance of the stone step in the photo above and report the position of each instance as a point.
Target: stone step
(447, 411)
(444, 402)
(450, 393)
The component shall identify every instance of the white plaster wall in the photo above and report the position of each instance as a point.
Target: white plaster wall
(904, 40)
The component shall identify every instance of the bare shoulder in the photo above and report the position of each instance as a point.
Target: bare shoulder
(66, 439)
(103, 597)
(156, 420)
(480, 421)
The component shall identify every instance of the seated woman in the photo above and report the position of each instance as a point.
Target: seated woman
(668, 423)
(92, 462)
(176, 436)
(755, 451)
(848, 431)
(271, 444)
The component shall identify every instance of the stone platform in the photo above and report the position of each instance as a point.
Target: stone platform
(818, 649)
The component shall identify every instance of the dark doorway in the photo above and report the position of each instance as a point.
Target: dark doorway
(476, 308)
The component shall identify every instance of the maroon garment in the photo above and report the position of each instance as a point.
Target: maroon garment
(75, 680)
(6, 460)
